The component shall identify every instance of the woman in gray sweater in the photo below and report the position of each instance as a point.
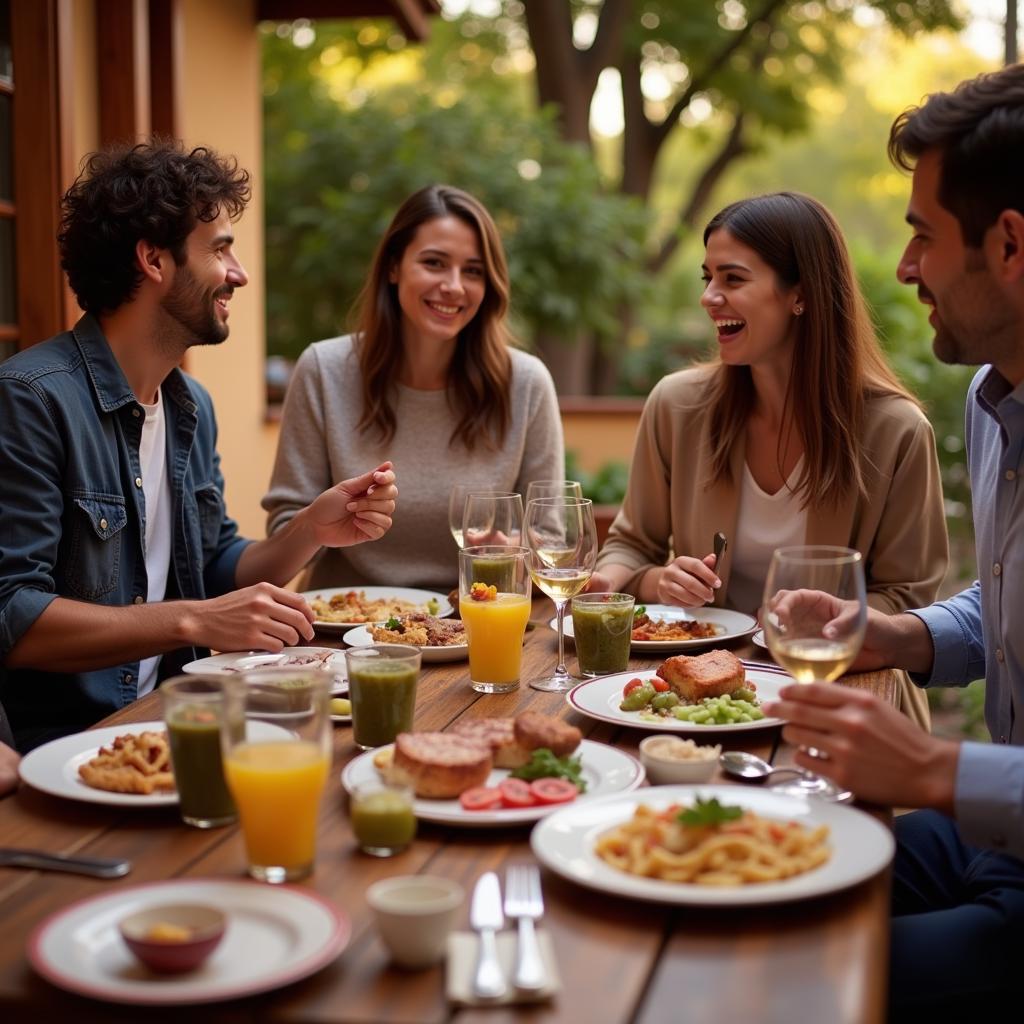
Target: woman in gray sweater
(430, 381)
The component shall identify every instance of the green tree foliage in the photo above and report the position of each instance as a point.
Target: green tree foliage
(336, 172)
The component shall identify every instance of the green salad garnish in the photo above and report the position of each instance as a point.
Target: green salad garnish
(709, 812)
(544, 765)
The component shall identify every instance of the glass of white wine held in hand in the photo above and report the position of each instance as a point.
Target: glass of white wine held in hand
(562, 540)
(803, 589)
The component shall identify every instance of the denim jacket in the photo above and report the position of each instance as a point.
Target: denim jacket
(72, 514)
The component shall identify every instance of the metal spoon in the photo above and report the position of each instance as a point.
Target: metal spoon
(94, 867)
(752, 768)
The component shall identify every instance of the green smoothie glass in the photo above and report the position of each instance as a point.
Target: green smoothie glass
(602, 626)
(194, 715)
(382, 682)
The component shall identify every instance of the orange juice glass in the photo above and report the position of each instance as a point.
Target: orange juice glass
(494, 601)
(277, 755)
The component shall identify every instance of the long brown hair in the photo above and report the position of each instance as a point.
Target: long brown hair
(481, 368)
(837, 362)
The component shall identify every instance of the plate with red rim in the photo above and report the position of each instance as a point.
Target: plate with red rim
(730, 625)
(600, 698)
(605, 769)
(275, 936)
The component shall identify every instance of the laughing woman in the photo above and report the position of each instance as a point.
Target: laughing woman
(798, 433)
(430, 378)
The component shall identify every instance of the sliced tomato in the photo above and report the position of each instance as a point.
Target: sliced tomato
(516, 793)
(632, 685)
(553, 791)
(658, 683)
(481, 798)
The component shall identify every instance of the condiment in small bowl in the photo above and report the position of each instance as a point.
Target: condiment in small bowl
(672, 759)
(174, 938)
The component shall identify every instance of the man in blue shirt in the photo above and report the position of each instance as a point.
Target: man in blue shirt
(958, 896)
(118, 561)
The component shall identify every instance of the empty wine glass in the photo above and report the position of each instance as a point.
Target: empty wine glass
(492, 517)
(553, 489)
(825, 586)
(562, 540)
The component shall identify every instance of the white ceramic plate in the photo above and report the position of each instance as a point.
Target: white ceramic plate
(600, 698)
(275, 935)
(757, 637)
(605, 769)
(291, 657)
(361, 637)
(53, 767)
(861, 846)
(417, 597)
(733, 625)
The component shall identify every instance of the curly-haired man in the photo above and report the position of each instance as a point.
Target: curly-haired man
(118, 560)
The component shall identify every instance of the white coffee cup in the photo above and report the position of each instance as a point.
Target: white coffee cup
(415, 915)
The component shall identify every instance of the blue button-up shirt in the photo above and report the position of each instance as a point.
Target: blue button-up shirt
(72, 513)
(980, 632)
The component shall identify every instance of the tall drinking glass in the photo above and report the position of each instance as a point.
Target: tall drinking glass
(382, 680)
(193, 713)
(494, 602)
(553, 489)
(492, 517)
(562, 541)
(277, 753)
(794, 627)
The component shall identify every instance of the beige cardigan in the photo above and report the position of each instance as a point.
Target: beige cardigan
(899, 525)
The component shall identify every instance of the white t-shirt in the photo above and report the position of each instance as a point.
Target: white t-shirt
(156, 487)
(765, 522)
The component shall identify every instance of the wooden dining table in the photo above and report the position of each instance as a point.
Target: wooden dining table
(619, 960)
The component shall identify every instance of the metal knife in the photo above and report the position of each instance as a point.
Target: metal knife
(720, 544)
(486, 917)
(96, 867)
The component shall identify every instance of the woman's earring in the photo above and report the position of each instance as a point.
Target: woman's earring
(798, 310)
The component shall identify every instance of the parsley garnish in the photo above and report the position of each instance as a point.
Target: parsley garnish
(544, 765)
(392, 624)
(639, 611)
(708, 812)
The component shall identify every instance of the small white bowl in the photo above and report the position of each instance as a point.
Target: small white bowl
(667, 771)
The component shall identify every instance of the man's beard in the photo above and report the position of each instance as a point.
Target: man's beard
(191, 306)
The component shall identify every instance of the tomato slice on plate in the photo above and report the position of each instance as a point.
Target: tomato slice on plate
(481, 798)
(658, 683)
(516, 793)
(553, 791)
(632, 685)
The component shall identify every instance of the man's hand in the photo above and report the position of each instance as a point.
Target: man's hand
(355, 510)
(687, 581)
(257, 618)
(890, 641)
(869, 747)
(8, 769)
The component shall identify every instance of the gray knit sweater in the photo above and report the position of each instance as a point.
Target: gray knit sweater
(320, 446)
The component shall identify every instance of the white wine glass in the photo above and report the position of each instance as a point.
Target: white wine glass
(553, 489)
(492, 517)
(562, 541)
(807, 589)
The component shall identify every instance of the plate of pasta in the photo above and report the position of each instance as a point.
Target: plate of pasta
(665, 627)
(339, 609)
(737, 847)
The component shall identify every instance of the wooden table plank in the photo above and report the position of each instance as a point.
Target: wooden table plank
(619, 960)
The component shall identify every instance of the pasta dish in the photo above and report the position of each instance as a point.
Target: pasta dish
(712, 845)
(355, 606)
(646, 628)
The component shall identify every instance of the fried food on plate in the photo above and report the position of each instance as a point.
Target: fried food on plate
(355, 606)
(133, 763)
(420, 629)
(441, 765)
(706, 675)
(646, 628)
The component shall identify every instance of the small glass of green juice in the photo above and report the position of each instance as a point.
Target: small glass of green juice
(382, 816)
(382, 682)
(194, 714)
(602, 626)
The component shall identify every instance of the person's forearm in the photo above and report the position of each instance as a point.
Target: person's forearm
(278, 558)
(72, 636)
(908, 644)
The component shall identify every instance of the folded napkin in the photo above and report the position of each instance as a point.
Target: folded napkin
(462, 953)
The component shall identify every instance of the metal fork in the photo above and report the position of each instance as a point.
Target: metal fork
(524, 902)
